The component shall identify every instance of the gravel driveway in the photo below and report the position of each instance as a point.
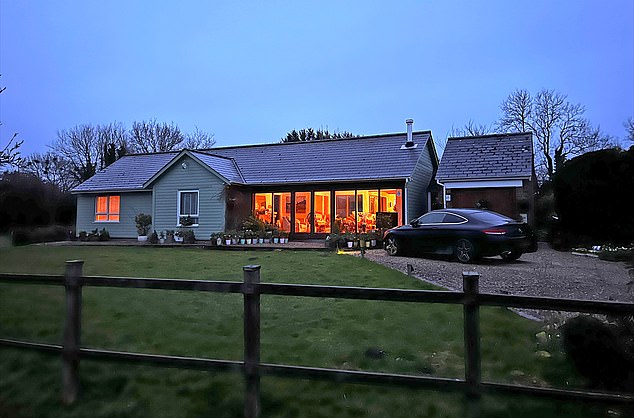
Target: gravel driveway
(543, 273)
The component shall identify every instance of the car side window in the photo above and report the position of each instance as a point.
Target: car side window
(431, 218)
(453, 219)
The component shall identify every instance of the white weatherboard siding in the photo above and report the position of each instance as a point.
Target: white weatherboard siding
(131, 205)
(417, 187)
(211, 197)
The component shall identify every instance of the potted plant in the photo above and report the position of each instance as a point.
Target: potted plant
(227, 238)
(284, 237)
(242, 237)
(162, 237)
(216, 239)
(188, 236)
(186, 221)
(276, 236)
(154, 239)
(178, 236)
(261, 236)
(143, 223)
(349, 239)
(169, 236)
(373, 238)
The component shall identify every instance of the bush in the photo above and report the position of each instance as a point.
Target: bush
(592, 195)
(602, 352)
(94, 235)
(188, 236)
(103, 235)
(143, 223)
(52, 233)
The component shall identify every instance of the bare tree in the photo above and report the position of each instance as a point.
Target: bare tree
(471, 129)
(51, 168)
(559, 128)
(152, 136)
(516, 112)
(114, 142)
(629, 127)
(10, 153)
(199, 139)
(81, 148)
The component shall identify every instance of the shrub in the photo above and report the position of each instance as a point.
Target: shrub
(143, 223)
(51, 233)
(103, 235)
(601, 351)
(154, 239)
(188, 236)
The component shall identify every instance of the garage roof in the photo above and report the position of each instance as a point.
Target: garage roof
(498, 156)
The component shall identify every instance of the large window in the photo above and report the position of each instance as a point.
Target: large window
(367, 207)
(107, 208)
(303, 212)
(282, 211)
(263, 209)
(188, 208)
(392, 201)
(322, 212)
(345, 210)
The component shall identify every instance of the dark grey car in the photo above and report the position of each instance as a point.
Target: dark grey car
(466, 234)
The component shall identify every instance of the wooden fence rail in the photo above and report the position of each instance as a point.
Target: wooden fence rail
(251, 366)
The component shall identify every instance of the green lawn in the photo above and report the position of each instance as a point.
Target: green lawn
(418, 339)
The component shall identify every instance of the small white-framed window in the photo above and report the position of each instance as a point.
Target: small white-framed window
(187, 214)
(107, 208)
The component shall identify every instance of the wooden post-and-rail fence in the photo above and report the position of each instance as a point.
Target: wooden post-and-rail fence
(251, 366)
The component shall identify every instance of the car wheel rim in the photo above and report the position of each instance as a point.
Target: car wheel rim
(464, 251)
(391, 246)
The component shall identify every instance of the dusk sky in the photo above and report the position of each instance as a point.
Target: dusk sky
(249, 72)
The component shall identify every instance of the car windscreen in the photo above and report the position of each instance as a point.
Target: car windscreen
(491, 217)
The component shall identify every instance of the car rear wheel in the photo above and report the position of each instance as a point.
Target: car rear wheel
(464, 251)
(510, 255)
(392, 246)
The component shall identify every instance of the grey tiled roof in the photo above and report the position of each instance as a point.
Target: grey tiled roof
(226, 167)
(487, 157)
(127, 173)
(352, 159)
(363, 158)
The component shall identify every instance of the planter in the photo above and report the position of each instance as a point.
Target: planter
(367, 244)
(227, 242)
(142, 238)
(178, 239)
(161, 240)
(350, 244)
(260, 240)
(248, 241)
(219, 241)
(373, 242)
(234, 241)
(242, 241)
(276, 240)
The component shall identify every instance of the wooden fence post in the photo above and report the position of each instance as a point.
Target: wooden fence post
(72, 331)
(251, 341)
(471, 309)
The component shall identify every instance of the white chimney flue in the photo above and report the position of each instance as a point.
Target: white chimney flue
(410, 140)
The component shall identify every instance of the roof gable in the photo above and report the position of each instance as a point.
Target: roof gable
(129, 172)
(487, 157)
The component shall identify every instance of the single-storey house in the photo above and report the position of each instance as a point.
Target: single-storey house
(308, 189)
(495, 172)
